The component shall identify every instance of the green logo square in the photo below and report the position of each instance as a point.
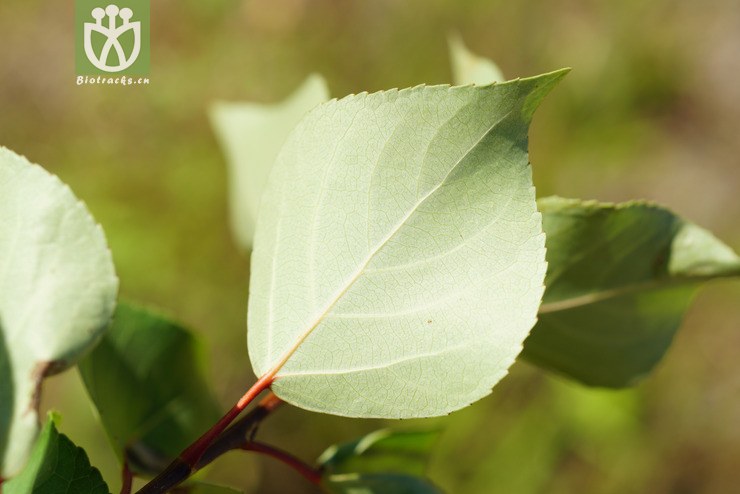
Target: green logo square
(112, 38)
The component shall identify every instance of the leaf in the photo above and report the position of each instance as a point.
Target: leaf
(203, 488)
(620, 278)
(251, 136)
(469, 68)
(57, 466)
(382, 451)
(146, 379)
(399, 257)
(378, 484)
(57, 293)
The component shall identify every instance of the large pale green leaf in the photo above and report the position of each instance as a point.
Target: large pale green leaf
(399, 257)
(469, 68)
(619, 280)
(56, 466)
(147, 382)
(382, 451)
(378, 484)
(57, 293)
(251, 136)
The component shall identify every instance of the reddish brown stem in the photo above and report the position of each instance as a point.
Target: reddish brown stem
(193, 453)
(127, 478)
(311, 474)
(241, 431)
(182, 467)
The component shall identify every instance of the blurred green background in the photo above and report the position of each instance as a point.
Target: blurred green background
(650, 110)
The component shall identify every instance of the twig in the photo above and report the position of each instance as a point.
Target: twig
(243, 430)
(184, 465)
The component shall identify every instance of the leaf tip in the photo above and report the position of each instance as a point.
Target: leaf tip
(541, 86)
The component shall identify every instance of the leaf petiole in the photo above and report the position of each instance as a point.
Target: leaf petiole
(127, 478)
(311, 474)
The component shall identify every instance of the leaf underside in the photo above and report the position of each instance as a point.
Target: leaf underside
(620, 278)
(57, 293)
(399, 257)
(251, 136)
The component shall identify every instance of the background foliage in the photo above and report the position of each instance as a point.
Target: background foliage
(650, 110)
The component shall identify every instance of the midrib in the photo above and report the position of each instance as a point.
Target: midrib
(603, 295)
(272, 373)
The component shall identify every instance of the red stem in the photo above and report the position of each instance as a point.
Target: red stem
(242, 430)
(126, 479)
(183, 466)
(270, 402)
(311, 474)
(193, 453)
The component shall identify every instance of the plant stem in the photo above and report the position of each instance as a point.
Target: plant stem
(182, 467)
(311, 474)
(240, 432)
(127, 478)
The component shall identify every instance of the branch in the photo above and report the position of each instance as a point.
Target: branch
(241, 432)
(241, 436)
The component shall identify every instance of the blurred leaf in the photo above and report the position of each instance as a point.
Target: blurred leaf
(146, 379)
(57, 293)
(251, 136)
(619, 280)
(395, 227)
(56, 466)
(469, 68)
(382, 451)
(378, 484)
(203, 488)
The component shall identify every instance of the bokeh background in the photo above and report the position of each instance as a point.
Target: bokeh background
(650, 110)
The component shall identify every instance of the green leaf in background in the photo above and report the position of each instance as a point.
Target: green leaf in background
(203, 488)
(399, 255)
(146, 379)
(382, 451)
(378, 484)
(56, 466)
(57, 293)
(469, 68)
(619, 280)
(251, 136)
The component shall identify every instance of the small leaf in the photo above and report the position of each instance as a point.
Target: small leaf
(251, 136)
(619, 280)
(382, 451)
(57, 293)
(469, 68)
(395, 228)
(56, 466)
(146, 379)
(378, 484)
